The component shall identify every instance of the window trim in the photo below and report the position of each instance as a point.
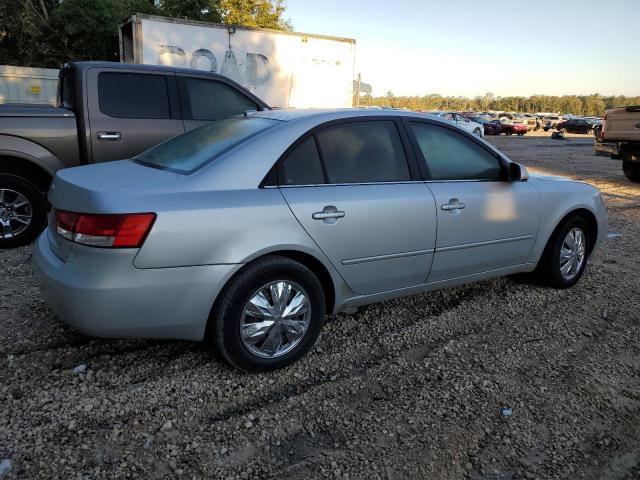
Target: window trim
(422, 161)
(185, 99)
(410, 158)
(170, 85)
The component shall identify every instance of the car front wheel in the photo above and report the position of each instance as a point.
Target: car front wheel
(23, 212)
(565, 256)
(268, 316)
(477, 132)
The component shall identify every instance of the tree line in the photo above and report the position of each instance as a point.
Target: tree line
(48, 33)
(587, 105)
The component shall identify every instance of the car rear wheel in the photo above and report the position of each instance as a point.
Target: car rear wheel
(565, 256)
(268, 316)
(631, 170)
(23, 211)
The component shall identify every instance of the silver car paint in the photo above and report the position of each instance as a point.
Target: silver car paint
(216, 220)
(365, 245)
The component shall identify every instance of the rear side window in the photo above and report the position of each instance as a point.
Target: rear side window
(211, 100)
(187, 152)
(302, 166)
(451, 156)
(133, 95)
(363, 152)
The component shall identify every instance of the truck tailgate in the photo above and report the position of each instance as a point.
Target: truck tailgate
(623, 124)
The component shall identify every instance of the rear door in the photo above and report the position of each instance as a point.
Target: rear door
(356, 191)
(204, 100)
(130, 111)
(485, 223)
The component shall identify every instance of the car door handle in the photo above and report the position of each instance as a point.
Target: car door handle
(453, 206)
(325, 215)
(109, 136)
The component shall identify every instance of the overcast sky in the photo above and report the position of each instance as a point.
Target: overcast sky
(469, 47)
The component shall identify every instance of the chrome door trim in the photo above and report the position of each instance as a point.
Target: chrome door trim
(390, 256)
(482, 244)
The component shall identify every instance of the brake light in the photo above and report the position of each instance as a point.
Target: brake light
(127, 230)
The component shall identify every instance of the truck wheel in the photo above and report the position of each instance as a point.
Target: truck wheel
(23, 212)
(268, 316)
(631, 170)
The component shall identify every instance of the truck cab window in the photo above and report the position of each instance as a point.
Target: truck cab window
(213, 100)
(133, 95)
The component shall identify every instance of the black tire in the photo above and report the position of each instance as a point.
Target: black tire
(223, 329)
(38, 210)
(477, 133)
(548, 270)
(631, 170)
(520, 134)
(509, 132)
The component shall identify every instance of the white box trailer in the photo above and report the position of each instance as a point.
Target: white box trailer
(26, 85)
(285, 69)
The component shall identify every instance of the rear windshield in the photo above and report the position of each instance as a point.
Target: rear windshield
(195, 148)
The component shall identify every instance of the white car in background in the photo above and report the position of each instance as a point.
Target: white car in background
(461, 121)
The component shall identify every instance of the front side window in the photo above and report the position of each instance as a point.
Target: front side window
(303, 165)
(187, 152)
(212, 100)
(451, 156)
(363, 152)
(133, 95)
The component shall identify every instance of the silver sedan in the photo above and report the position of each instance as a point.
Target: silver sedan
(247, 232)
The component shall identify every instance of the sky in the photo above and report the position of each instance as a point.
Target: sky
(470, 47)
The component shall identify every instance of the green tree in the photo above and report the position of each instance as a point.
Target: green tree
(47, 33)
(254, 13)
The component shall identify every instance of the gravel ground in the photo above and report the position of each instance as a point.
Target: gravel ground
(411, 388)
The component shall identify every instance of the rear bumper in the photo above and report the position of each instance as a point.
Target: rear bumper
(100, 293)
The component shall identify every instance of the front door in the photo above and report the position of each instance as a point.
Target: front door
(485, 223)
(350, 187)
(205, 100)
(131, 112)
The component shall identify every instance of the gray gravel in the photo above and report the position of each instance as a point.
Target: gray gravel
(412, 388)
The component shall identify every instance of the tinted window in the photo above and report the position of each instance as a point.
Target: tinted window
(451, 156)
(133, 95)
(363, 152)
(303, 166)
(191, 150)
(67, 91)
(211, 100)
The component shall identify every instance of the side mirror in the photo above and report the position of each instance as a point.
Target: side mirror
(518, 173)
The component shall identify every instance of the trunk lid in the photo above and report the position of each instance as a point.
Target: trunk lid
(113, 187)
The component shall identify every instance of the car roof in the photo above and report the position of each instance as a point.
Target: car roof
(324, 115)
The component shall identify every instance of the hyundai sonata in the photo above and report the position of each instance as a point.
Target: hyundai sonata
(246, 232)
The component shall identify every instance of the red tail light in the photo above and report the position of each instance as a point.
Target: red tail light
(127, 230)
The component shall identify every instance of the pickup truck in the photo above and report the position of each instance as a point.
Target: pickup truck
(621, 127)
(106, 111)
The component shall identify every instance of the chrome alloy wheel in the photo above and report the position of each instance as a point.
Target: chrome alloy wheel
(16, 213)
(275, 319)
(572, 253)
